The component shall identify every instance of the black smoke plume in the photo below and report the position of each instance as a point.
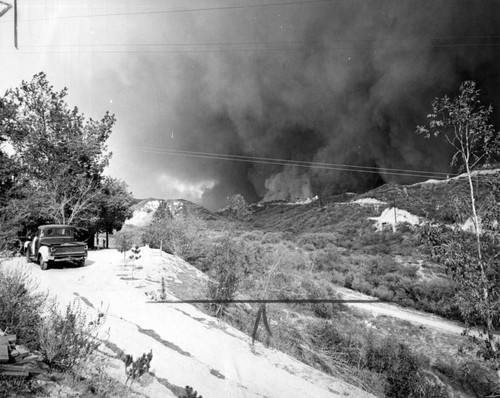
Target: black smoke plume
(354, 80)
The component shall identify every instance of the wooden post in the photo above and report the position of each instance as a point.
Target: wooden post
(395, 216)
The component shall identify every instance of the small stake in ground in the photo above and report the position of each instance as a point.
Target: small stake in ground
(261, 313)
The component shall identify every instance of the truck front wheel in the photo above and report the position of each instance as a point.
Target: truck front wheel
(44, 264)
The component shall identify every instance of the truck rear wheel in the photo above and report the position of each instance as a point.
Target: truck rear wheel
(44, 265)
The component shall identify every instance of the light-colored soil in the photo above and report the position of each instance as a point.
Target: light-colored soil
(416, 317)
(189, 347)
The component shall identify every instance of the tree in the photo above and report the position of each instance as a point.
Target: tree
(8, 173)
(237, 205)
(182, 236)
(61, 153)
(114, 202)
(226, 271)
(464, 122)
(124, 241)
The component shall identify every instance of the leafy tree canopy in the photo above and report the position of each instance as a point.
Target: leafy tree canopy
(472, 260)
(115, 205)
(59, 157)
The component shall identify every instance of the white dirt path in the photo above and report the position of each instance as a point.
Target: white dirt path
(189, 347)
(395, 311)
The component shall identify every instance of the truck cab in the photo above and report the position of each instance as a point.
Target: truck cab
(55, 243)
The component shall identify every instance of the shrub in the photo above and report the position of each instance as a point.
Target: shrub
(135, 369)
(226, 267)
(383, 265)
(63, 340)
(349, 280)
(17, 291)
(326, 260)
(124, 240)
(191, 393)
(9, 241)
(237, 206)
(410, 271)
(317, 240)
(182, 236)
(382, 293)
(69, 338)
(404, 228)
(361, 285)
(252, 236)
(272, 238)
(404, 370)
(339, 341)
(338, 278)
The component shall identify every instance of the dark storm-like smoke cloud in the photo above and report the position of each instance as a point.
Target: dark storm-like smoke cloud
(360, 77)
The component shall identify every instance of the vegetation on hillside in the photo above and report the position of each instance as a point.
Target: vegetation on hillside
(273, 251)
(465, 123)
(316, 247)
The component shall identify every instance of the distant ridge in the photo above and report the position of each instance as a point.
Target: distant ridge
(146, 210)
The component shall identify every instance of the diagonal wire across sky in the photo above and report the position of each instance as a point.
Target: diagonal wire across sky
(298, 163)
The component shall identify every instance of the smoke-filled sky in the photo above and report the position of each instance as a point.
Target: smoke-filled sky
(337, 82)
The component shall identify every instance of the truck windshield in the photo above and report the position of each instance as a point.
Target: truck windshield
(58, 232)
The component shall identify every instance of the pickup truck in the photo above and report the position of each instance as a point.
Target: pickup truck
(55, 243)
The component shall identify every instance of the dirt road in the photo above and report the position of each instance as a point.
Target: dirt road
(395, 311)
(189, 347)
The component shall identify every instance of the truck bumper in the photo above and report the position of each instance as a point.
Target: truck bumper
(67, 258)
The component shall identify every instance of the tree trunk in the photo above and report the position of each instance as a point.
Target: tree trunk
(484, 279)
(474, 213)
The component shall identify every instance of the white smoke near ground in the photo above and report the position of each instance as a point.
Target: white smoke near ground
(173, 187)
(291, 184)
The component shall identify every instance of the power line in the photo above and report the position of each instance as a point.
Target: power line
(267, 301)
(284, 162)
(232, 50)
(299, 161)
(187, 10)
(434, 41)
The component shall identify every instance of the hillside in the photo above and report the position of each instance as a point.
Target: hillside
(189, 347)
(367, 243)
(145, 210)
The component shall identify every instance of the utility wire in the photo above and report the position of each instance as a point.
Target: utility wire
(266, 301)
(284, 162)
(234, 50)
(178, 11)
(187, 10)
(434, 41)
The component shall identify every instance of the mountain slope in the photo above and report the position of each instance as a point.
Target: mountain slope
(145, 210)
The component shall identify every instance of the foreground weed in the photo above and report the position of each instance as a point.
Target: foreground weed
(70, 338)
(190, 393)
(135, 369)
